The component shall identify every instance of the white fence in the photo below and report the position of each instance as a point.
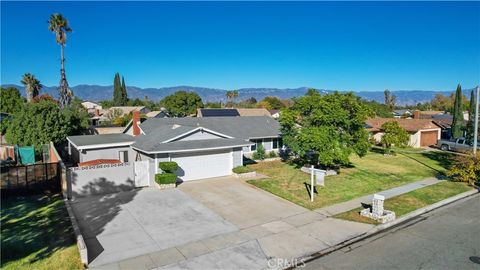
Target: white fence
(100, 179)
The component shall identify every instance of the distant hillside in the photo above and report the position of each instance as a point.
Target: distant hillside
(98, 92)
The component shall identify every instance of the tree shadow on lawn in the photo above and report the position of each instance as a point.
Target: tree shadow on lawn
(444, 160)
(40, 225)
(34, 225)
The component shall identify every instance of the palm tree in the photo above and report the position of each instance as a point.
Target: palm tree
(234, 95)
(59, 25)
(32, 86)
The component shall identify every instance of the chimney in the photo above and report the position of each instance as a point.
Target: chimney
(416, 114)
(136, 123)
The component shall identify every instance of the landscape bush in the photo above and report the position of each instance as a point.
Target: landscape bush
(272, 154)
(165, 178)
(242, 169)
(168, 166)
(260, 153)
(466, 169)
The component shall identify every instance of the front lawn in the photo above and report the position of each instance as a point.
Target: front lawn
(372, 173)
(36, 234)
(413, 200)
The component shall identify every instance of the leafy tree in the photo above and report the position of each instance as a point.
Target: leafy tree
(213, 105)
(182, 103)
(377, 109)
(326, 129)
(234, 95)
(124, 92)
(42, 122)
(394, 134)
(59, 26)
(312, 91)
(113, 114)
(271, 103)
(471, 118)
(42, 97)
(457, 122)
(466, 168)
(251, 100)
(10, 100)
(442, 103)
(389, 100)
(32, 86)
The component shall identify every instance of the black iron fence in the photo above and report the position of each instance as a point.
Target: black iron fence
(30, 179)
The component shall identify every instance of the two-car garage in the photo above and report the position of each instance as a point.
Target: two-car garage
(204, 164)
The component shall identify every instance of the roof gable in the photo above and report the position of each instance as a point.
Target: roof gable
(410, 125)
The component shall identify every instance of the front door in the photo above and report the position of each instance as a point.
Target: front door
(142, 176)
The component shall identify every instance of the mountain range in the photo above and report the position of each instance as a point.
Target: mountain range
(98, 92)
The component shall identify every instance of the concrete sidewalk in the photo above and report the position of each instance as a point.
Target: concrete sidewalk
(355, 203)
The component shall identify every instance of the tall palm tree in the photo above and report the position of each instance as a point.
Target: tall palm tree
(32, 86)
(59, 26)
(234, 95)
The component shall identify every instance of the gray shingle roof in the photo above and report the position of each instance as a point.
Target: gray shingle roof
(146, 144)
(87, 140)
(247, 127)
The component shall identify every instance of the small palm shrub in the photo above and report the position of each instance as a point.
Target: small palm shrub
(272, 154)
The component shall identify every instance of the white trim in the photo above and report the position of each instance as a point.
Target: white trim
(156, 163)
(190, 150)
(96, 146)
(264, 137)
(197, 129)
(241, 156)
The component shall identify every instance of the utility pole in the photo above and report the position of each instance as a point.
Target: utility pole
(475, 131)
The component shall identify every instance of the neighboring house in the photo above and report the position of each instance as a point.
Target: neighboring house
(203, 147)
(130, 109)
(444, 121)
(423, 132)
(232, 112)
(274, 113)
(92, 107)
(402, 113)
(157, 114)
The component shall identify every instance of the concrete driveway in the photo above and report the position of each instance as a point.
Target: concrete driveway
(128, 224)
(222, 223)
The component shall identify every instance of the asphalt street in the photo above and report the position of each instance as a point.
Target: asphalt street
(446, 238)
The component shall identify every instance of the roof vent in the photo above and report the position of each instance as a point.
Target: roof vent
(175, 126)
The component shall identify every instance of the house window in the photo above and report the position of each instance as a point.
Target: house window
(255, 146)
(123, 156)
(277, 143)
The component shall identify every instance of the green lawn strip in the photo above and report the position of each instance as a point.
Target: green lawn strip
(372, 173)
(411, 201)
(36, 234)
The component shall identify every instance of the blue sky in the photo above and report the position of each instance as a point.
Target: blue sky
(333, 45)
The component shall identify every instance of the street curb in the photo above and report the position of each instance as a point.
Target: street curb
(82, 247)
(383, 227)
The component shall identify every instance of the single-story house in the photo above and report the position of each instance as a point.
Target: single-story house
(202, 147)
(91, 107)
(130, 109)
(233, 112)
(423, 132)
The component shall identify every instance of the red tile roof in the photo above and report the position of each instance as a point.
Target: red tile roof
(410, 125)
(98, 162)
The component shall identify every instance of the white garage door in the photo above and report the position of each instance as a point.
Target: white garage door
(199, 165)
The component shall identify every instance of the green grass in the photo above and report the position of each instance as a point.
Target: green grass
(36, 234)
(413, 200)
(372, 173)
(242, 169)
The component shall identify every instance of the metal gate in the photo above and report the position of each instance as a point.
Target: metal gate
(142, 175)
(30, 179)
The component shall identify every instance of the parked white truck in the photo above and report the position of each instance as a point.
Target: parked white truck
(459, 145)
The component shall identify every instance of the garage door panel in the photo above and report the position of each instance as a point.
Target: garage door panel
(200, 165)
(428, 138)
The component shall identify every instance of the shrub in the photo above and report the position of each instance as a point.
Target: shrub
(466, 169)
(242, 169)
(165, 178)
(260, 153)
(168, 166)
(272, 154)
